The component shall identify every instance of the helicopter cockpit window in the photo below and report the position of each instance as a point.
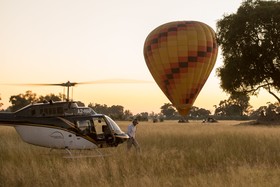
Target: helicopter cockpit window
(114, 126)
(99, 123)
(85, 126)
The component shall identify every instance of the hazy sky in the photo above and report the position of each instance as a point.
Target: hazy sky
(53, 41)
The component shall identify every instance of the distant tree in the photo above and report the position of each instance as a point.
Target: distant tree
(271, 113)
(128, 115)
(49, 97)
(226, 109)
(236, 105)
(242, 101)
(116, 112)
(143, 116)
(101, 109)
(197, 112)
(250, 43)
(1, 104)
(260, 112)
(272, 110)
(21, 100)
(168, 110)
(155, 117)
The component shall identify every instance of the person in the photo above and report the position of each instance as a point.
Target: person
(131, 132)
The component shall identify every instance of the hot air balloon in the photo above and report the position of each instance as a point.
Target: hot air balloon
(180, 56)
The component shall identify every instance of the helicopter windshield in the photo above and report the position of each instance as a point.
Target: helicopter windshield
(114, 126)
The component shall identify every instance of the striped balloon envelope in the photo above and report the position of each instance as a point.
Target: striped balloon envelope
(180, 56)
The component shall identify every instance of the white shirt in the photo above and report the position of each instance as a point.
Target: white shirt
(131, 131)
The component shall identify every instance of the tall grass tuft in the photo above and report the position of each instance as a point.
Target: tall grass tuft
(173, 154)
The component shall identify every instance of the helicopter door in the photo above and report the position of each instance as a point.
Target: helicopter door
(103, 131)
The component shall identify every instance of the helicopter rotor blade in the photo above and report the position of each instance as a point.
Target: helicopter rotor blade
(116, 81)
(38, 84)
(67, 84)
(70, 84)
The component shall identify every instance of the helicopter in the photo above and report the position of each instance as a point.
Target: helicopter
(64, 124)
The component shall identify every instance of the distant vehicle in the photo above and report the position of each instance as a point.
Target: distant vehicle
(183, 120)
(209, 120)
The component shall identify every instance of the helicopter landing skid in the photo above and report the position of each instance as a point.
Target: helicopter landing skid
(79, 155)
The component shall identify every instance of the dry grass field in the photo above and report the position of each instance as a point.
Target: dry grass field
(173, 154)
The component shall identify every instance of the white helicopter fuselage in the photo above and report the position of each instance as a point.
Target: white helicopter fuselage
(53, 138)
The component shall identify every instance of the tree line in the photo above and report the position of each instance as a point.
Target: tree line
(235, 107)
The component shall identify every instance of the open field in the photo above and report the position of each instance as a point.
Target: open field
(173, 154)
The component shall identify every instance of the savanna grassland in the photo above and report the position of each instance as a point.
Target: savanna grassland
(173, 154)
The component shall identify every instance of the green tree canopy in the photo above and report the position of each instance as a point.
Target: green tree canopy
(114, 111)
(269, 113)
(52, 97)
(22, 100)
(235, 105)
(196, 113)
(250, 43)
(168, 110)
